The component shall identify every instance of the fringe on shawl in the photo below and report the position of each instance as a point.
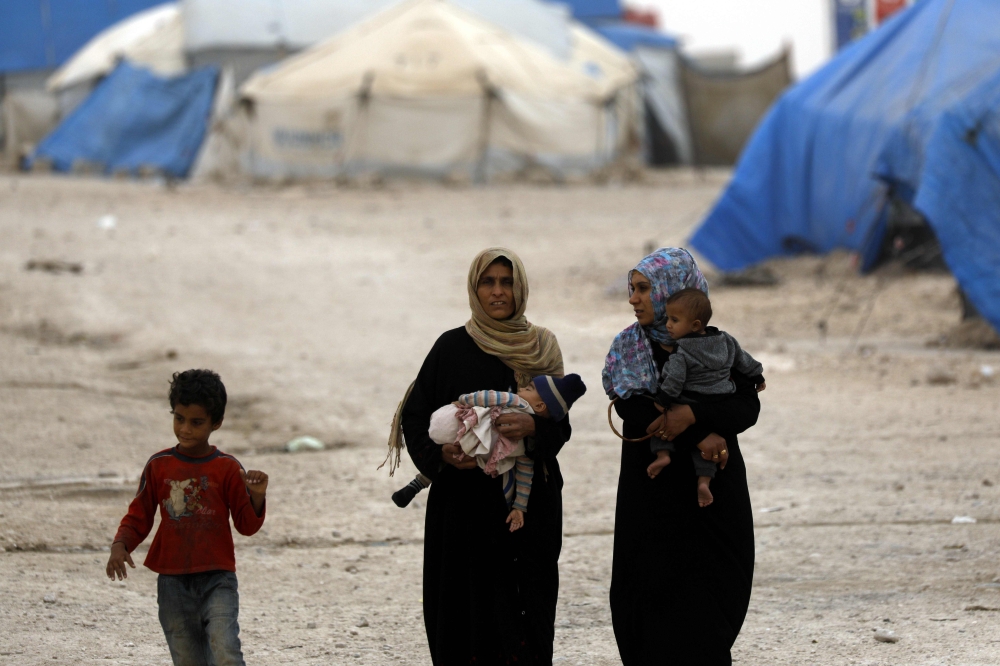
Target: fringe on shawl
(396, 443)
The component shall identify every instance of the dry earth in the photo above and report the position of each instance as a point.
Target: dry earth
(317, 304)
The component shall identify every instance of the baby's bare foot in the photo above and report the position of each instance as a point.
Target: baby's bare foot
(704, 494)
(662, 460)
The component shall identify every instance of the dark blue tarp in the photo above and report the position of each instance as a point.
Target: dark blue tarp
(957, 189)
(134, 119)
(590, 9)
(807, 179)
(627, 36)
(42, 34)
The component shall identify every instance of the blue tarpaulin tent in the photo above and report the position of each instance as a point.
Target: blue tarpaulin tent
(816, 173)
(627, 36)
(42, 34)
(957, 189)
(135, 119)
(584, 10)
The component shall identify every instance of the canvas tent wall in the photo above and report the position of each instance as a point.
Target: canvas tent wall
(723, 109)
(431, 87)
(806, 181)
(247, 35)
(153, 38)
(668, 136)
(27, 114)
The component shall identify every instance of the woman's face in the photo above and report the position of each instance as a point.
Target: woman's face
(641, 298)
(496, 291)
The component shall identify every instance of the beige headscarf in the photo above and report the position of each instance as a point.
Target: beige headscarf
(526, 349)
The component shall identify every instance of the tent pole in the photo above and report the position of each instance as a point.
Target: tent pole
(489, 94)
(360, 125)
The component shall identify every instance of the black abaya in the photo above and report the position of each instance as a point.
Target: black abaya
(681, 577)
(489, 594)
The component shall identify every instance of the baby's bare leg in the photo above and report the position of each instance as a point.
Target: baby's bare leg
(655, 467)
(516, 519)
(704, 493)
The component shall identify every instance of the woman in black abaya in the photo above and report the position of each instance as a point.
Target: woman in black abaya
(489, 594)
(681, 577)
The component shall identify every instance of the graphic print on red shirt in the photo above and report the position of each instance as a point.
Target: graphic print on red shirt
(195, 497)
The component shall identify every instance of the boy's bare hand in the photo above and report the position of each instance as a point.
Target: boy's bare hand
(761, 386)
(256, 481)
(116, 563)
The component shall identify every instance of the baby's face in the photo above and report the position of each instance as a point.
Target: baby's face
(680, 323)
(530, 395)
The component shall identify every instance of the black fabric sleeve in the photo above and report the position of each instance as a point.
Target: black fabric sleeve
(424, 452)
(637, 409)
(731, 416)
(549, 437)
(663, 399)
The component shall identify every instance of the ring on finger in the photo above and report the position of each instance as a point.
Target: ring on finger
(724, 452)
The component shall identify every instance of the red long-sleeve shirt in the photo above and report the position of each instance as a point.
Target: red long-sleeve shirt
(195, 497)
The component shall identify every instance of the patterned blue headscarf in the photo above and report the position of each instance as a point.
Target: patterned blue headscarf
(629, 366)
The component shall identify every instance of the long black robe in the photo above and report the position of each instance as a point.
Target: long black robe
(681, 577)
(489, 594)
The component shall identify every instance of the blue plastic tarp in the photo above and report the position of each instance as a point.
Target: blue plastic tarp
(627, 36)
(135, 119)
(42, 34)
(957, 190)
(807, 179)
(589, 9)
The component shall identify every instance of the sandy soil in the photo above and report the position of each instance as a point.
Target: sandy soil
(317, 305)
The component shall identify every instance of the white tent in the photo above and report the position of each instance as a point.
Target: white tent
(153, 38)
(429, 86)
(27, 115)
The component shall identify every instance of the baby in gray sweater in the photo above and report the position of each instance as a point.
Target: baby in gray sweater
(698, 370)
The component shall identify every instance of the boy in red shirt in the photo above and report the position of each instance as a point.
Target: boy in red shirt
(195, 487)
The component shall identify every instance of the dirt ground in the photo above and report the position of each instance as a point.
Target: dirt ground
(317, 304)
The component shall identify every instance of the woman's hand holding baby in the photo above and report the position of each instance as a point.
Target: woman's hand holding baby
(671, 423)
(515, 425)
(714, 448)
(455, 456)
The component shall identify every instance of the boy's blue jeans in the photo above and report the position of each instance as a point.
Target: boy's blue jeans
(199, 613)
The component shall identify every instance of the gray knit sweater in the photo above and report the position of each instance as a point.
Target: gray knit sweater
(703, 363)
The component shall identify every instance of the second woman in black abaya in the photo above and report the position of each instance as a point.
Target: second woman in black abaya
(682, 574)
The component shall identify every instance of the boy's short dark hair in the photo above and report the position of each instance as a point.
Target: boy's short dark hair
(199, 387)
(694, 302)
